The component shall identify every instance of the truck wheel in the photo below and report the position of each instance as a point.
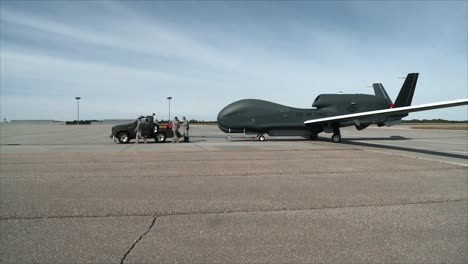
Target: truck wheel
(123, 137)
(160, 137)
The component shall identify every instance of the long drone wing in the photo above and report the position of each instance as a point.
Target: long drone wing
(388, 112)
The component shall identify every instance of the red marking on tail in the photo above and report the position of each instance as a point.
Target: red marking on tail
(391, 106)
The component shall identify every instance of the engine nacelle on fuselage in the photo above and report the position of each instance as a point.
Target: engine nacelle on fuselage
(349, 103)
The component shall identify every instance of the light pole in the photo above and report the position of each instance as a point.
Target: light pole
(78, 110)
(169, 99)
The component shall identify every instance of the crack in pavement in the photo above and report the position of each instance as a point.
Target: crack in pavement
(233, 211)
(138, 240)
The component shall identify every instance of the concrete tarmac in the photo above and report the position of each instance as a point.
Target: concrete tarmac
(70, 195)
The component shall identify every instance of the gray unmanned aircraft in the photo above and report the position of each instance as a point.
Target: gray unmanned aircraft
(329, 112)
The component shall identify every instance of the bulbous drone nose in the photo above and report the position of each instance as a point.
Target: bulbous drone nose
(222, 124)
(221, 116)
(230, 116)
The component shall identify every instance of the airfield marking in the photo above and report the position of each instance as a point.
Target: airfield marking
(457, 151)
(415, 157)
(442, 142)
(406, 145)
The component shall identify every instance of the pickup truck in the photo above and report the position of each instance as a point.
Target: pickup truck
(150, 129)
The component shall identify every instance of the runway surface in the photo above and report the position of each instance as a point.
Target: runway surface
(70, 195)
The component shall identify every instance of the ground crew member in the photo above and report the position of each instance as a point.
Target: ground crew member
(175, 130)
(185, 129)
(138, 130)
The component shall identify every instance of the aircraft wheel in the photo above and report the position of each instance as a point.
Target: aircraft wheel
(313, 137)
(336, 138)
(229, 138)
(261, 137)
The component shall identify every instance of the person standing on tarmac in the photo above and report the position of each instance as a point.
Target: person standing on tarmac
(138, 130)
(185, 129)
(175, 130)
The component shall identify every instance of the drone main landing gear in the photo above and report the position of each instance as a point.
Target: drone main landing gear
(336, 138)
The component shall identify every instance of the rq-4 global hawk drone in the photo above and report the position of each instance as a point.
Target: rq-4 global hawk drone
(329, 112)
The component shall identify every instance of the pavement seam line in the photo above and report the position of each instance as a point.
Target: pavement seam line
(125, 148)
(198, 145)
(138, 240)
(286, 174)
(236, 212)
(176, 160)
(122, 152)
(312, 209)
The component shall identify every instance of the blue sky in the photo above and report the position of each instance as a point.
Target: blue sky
(124, 58)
